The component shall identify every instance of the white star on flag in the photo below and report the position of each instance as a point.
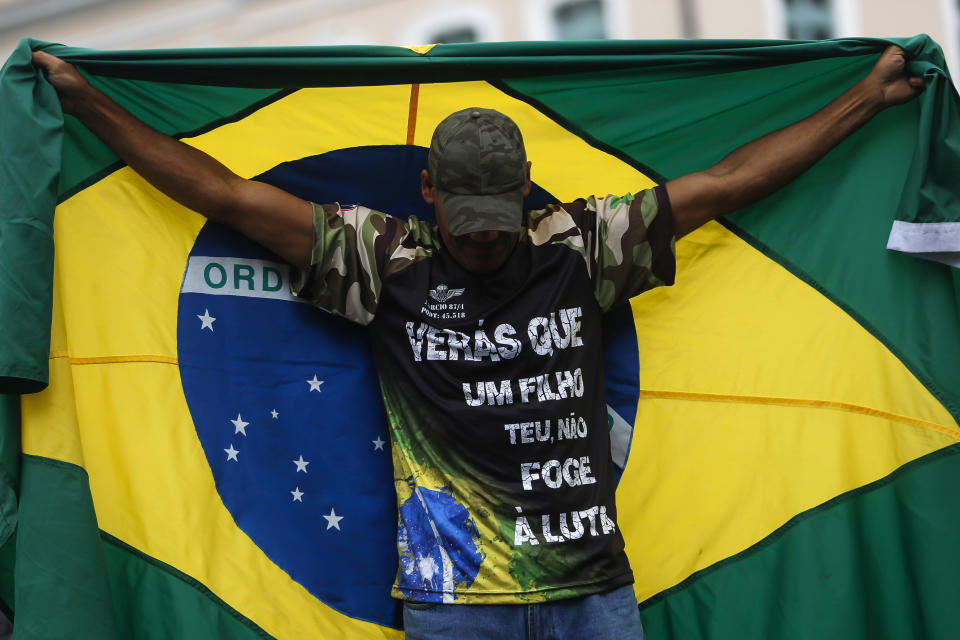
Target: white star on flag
(378, 444)
(301, 464)
(232, 454)
(333, 520)
(206, 320)
(297, 495)
(314, 384)
(274, 414)
(241, 426)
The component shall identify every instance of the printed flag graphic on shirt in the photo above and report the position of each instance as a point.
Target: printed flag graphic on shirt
(198, 454)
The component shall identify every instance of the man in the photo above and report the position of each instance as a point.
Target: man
(486, 331)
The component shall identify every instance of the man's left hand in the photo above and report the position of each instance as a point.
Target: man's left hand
(891, 80)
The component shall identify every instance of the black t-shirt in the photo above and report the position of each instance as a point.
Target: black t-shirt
(494, 391)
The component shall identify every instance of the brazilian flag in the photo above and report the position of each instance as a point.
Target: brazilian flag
(186, 451)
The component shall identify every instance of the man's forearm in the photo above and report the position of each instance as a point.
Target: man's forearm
(189, 176)
(767, 164)
(270, 216)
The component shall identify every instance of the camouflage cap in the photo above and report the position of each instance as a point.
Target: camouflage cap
(478, 163)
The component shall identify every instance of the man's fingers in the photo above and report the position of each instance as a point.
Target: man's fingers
(39, 61)
(43, 59)
(64, 77)
(893, 51)
(51, 65)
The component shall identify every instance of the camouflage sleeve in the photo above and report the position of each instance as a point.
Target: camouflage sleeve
(353, 250)
(634, 248)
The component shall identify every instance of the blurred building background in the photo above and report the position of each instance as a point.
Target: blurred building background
(142, 24)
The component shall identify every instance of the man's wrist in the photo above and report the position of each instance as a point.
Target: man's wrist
(85, 102)
(868, 97)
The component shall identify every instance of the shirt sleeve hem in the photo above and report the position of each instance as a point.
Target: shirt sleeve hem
(662, 238)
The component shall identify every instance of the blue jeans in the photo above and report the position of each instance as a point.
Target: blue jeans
(613, 615)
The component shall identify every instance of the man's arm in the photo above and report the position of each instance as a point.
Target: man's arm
(763, 166)
(272, 217)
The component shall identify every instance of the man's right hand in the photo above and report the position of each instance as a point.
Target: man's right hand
(64, 77)
(272, 217)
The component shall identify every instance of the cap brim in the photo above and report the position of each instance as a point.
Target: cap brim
(468, 213)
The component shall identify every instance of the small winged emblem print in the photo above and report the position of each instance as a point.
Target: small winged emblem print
(443, 293)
